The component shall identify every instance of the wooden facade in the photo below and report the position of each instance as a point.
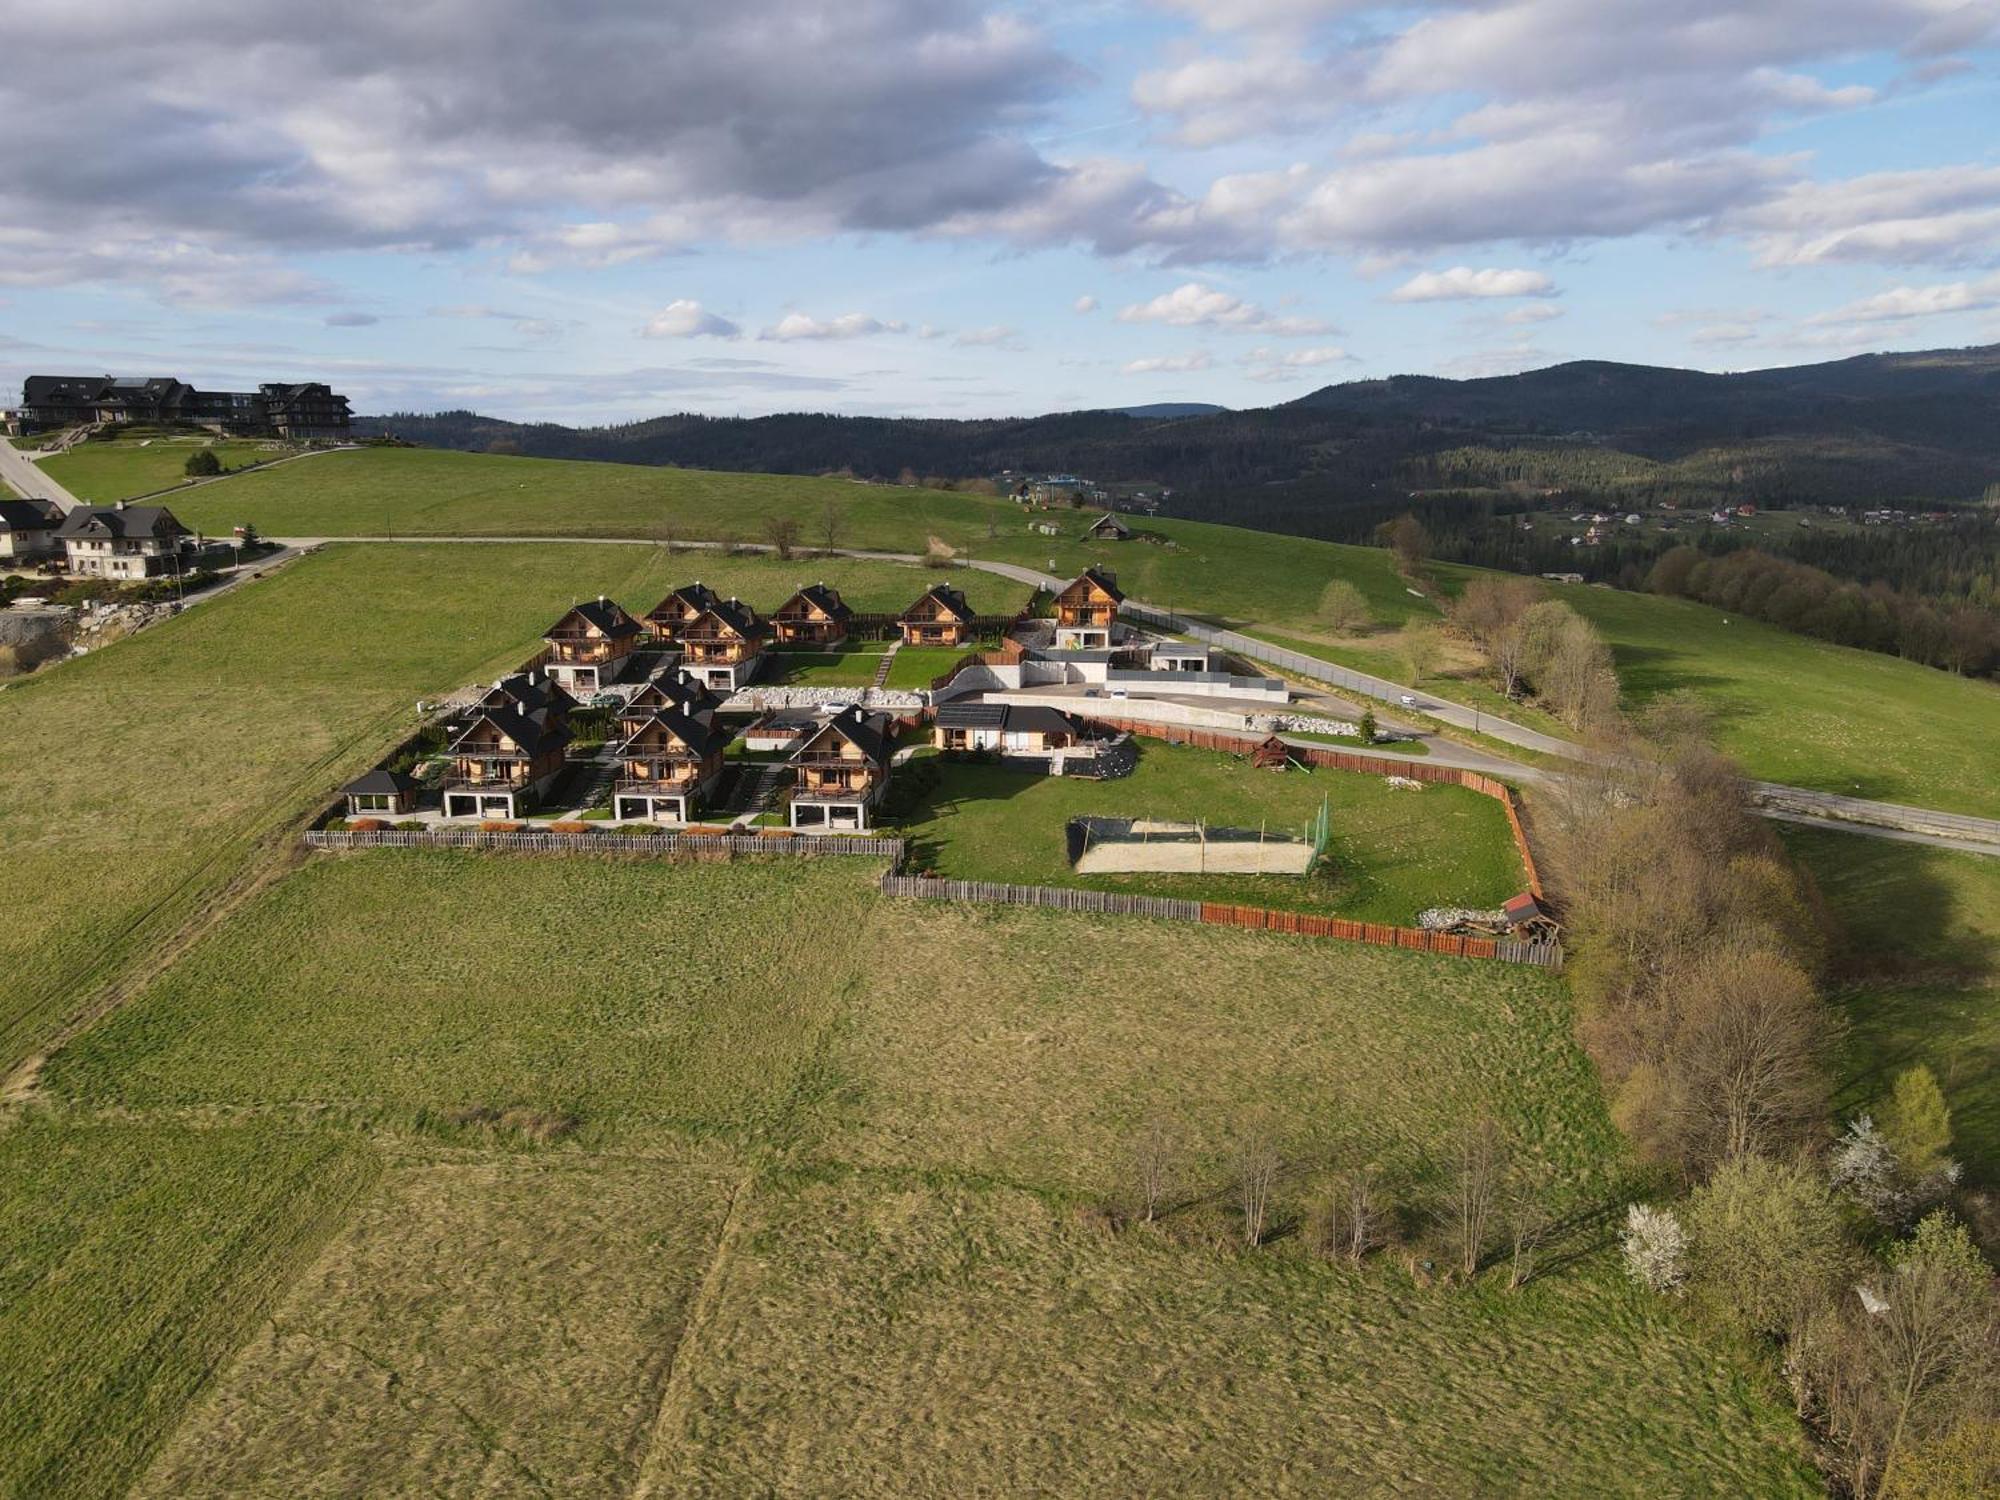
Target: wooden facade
(814, 616)
(673, 614)
(1087, 612)
(502, 760)
(1004, 728)
(590, 646)
(381, 793)
(840, 771)
(722, 646)
(940, 618)
(668, 765)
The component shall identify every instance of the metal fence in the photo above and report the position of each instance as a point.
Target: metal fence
(541, 841)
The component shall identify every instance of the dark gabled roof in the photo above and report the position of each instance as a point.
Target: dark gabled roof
(868, 733)
(818, 596)
(381, 780)
(534, 733)
(738, 616)
(948, 599)
(528, 692)
(1099, 578)
(29, 515)
(699, 732)
(121, 521)
(694, 597)
(1020, 718)
(607, 617)
(667, 691)
(1110, 522)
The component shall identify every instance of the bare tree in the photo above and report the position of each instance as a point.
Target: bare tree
(1255, 1162)
(1525, 1214)
(1363, 1210)
(782, 532)
(1508, 652)
(832, 524)
(1405, 536)
(1478, 1164)
(1155, 1159)
(1421, 649)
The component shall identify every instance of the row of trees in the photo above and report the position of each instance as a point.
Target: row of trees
(1541, 648)
(1960, 638)
(1696, 950)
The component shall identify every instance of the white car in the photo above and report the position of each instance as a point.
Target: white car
(1407, 700)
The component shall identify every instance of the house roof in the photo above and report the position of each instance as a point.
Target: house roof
(698, 732)
(121, 521)
(817, 596)
(28, 515)
(381, 780)
(527, 691)
(1524, 908)
(1111, 523)
(738, 618)
(533, 733)
(1018, 718)
(606, 617)
(868, 733)
(948, 600)
(1095, 578)
(670, 691)
(689, 597)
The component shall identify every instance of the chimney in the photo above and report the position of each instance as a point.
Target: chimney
(119, 506)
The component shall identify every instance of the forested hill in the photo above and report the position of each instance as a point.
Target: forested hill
(1876, 428)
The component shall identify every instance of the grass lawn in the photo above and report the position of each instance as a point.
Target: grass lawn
(135, 782)
(126, 467)
(479, 1328)
(917, 667)
(690, 996)
(849, 667)
(917, 1339)
(132, 1259)
(1392, 852)
(1919, 977)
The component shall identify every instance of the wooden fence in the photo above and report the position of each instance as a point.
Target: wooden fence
(1349, 760)
(1217, 914)
(541, 841)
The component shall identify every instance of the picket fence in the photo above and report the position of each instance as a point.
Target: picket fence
(1547, 955)
(540, 841)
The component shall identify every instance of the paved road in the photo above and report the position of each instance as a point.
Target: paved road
(1799, 805)
(25, 478)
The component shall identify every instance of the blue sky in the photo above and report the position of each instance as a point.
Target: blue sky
(941, 207)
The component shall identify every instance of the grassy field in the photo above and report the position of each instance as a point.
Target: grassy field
(1918, 976)
(1791, 708)
(479, 1329)
(1392, 853)
(122, 469)
(135, 782)
(132, 1259)
(946, 1340)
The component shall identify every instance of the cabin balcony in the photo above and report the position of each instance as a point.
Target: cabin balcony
(586, 653)
(642, 776)
(709, 653)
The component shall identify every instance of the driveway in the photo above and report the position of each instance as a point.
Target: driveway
(25, 478)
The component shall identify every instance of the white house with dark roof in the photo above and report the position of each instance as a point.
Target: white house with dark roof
(28, 529)
(122, 541)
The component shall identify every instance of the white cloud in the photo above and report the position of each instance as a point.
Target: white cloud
(1168, 364)
(997, 335)
(1462, 282)
(854, 325)
(1193, 305)
(1533, 312)
(1085, 304)
(1902, 302)
(684, 318)
(1274, 365)
(1934, 215)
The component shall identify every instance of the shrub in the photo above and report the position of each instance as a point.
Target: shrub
(335, 825)
(366, 825)
(568, 825)
(1655, 1248)
(202, 464)
(411, 825)
(499, 825)
(1765, 1243)
(639, 830)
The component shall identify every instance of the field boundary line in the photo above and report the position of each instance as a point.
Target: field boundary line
(675, 1376)
(532, 841)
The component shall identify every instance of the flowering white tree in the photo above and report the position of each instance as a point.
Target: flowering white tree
(1867, 1166)
(1655, 1248)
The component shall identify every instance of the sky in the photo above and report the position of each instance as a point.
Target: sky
(613, 209)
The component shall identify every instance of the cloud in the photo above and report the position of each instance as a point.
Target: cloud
(854, 325)
(1085, 304)
(1902, 302)
(684, 318)
(351, 320)
(1274, 365)
(1946, 215)
(1533, 312)
(999, 335)
(1193, 305)
(1462, 282)
(1168, 364)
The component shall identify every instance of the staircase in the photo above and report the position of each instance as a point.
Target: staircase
(754, 788)
(888, 657)
(592, 787)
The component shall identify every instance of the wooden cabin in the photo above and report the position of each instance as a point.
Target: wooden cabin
(590, 646)
(1087, 612)
(1004, 728)
(940, 618)
(814, 616)
(502, 761)
(1108, 528)
(667, 766)
(381, 792)
(529, 692)
(666, 693)
(666, 620)
(723, 646)
(840, 771)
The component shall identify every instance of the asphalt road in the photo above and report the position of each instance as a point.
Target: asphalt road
(25, 478)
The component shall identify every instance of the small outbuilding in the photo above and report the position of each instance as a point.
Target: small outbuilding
(381, 791)
(1108, 528)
